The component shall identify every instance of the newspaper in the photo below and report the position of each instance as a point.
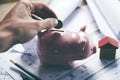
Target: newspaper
(91, 68)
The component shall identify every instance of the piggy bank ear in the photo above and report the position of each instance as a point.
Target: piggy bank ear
(83, 28)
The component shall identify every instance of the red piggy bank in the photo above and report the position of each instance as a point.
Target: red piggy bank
(62, 47)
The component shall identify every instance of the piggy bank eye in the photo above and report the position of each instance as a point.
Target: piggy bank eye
(56, 35)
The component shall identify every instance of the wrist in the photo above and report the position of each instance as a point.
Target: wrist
(6, 38)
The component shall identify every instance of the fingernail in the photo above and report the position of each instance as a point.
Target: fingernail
(55, 22)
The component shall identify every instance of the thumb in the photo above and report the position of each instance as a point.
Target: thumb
(47, 23)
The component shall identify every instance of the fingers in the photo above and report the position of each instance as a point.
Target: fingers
(21, 10)
(42, 10)
(46, 23)
(37, 8)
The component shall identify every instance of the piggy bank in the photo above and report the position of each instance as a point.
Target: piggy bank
(62, 47)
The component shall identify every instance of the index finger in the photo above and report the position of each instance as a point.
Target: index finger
(42, 10)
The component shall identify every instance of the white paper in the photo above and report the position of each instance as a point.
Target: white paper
(63, 8)
(79, 18)
(110, 11)
(101, 22)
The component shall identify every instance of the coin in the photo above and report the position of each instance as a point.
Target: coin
(60, 24)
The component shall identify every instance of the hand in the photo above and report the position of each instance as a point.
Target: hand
(19, 26)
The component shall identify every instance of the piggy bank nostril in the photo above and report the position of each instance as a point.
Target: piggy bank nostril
(94, 49)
